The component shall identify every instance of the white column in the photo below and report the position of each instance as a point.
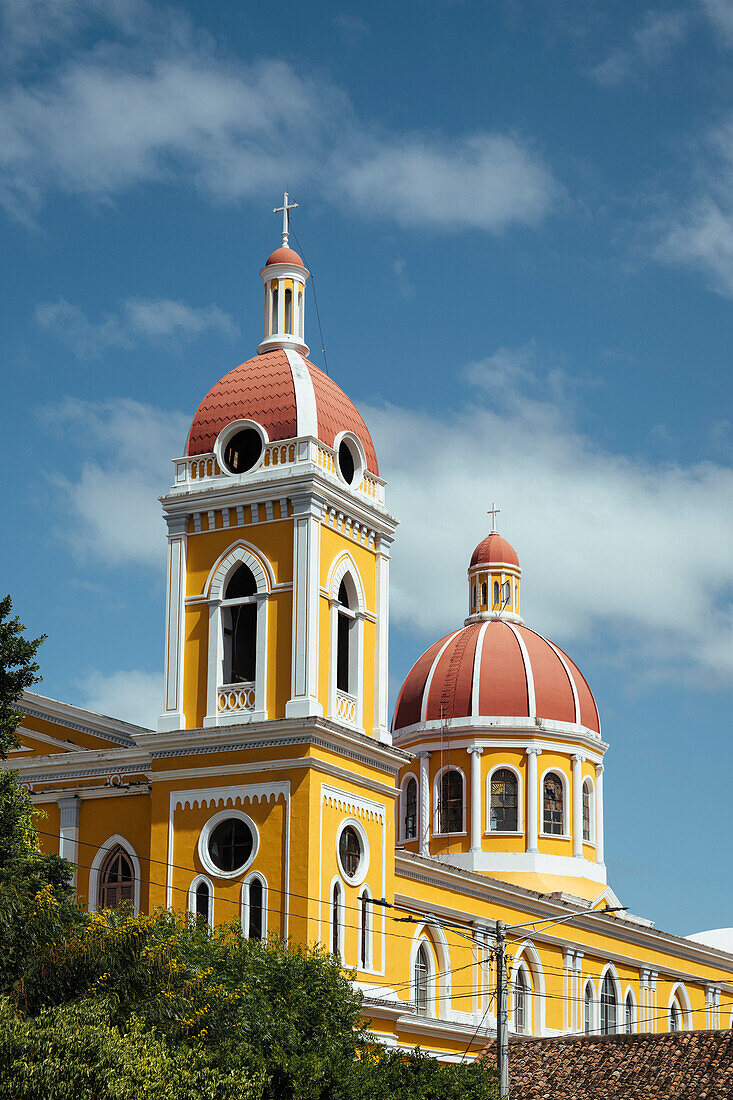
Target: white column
(381, 654)
(568, 957)
(173, 717)
(578, 997)
(281, 305)
(307, 514)
(475, 753)
(69, 830)
(359, 643)
(578, 806)
(214, 664)
(532, 799)
(599, 813)
(424, 758)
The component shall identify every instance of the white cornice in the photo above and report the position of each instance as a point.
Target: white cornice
(469, 732)
(76, 718)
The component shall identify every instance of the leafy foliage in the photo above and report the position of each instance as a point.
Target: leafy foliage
(18, 671)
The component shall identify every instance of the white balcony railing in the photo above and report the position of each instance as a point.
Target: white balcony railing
(235, 698)
(346, 707)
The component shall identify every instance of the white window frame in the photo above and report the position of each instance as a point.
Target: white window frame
(192, 897)
(436, 800)
(254, 875)
(520, 802)
(365, 851)
(629, 993)
(430, 954)
(341, 931)
(344, 568)
(522, 968)
(240, 553)
(609, 968)
(588, 982)
(203, 843)
(566, 807)
(587, 781)
(368, 963)
(680, 995)
(528, 955)
(403, 808)
(98, 863)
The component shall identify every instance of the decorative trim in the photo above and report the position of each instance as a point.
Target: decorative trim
(354, 804)
(252, 792)
(205, 834)
(98, 862)
(305, 398)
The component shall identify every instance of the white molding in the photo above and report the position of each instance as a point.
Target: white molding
(100, 857)
(192, 897)
(245, 903)
(681, 996)
(360, 458)
(520, 725)
(203, 843)
(354, 804)
(436, 800)
(305, 396)
(594, 1007)
(629, 992)
(528, 954)
(566, 834)
(244, 553)
(307, 515)
(520, 800)
(76, 718)
(402, 807)
(529, 863)
(363, 869)
(529, 674)
(439, 955)
(476, 682)
(367, 965)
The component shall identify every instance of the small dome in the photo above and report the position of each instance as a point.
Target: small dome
(494, 550)
(520, 675)
(288, 396)
(284, 256)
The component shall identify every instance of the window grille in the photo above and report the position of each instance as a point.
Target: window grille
(411, 809)
(588, 1009)
(520, 1001)
(422, 977)
(587, 835)
(504, 801)
(553, 815)
(117, 881)
(450, 809)
(629, 1014)
(608, 1005)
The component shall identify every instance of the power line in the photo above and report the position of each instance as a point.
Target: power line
(315, 297)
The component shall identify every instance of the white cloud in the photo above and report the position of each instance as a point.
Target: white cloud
(133, 696)
(352, 28)
(28, 26)
(121, 116)
(720, 14)
(139, 319)
(652, 43)
(111, 509)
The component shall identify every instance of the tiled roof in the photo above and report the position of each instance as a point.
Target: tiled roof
(494, 548)
(683, 1065)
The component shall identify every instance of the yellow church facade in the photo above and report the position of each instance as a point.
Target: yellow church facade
(274, 790)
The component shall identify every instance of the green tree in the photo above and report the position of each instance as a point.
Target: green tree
(18, 672)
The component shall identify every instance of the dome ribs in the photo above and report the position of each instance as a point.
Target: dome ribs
(503, 688)
(451, 687)
(553, 691)
(409, 703)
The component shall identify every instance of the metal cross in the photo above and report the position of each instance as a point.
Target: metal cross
(493, 512)
(284, 209)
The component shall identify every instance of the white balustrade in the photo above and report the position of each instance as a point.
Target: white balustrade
(345, 706)
(235, 698)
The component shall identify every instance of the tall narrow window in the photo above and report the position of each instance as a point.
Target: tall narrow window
(300, 314)
(483, 594)
(365, 938)
(519, 1008)
(450, 808)
(588, 1009)
(473, 598)
(411, 809)
(587, 798)
(674, 1017)
(504, 802)
(629, 1014)
(288, 310)
(496, 593)
(336, 920)
(343, 656)
(240, 627)
(608, 1005)
(255, 916)
(273, 327)
(553, 820)
(422, 980)
(117, 881)
(203, 900)
(507, 593)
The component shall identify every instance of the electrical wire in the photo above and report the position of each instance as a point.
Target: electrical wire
(315, 296)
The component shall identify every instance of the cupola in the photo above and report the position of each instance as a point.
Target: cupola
(493, 579)
(284, 276)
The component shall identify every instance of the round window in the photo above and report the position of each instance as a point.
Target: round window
(243, 451)
(347, 465)
(350, 851)
(230, 844)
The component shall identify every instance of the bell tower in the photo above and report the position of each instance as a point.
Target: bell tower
(279, 541)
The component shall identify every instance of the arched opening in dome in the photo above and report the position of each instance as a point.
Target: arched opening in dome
(347, 465)
(300, 314)
(243, 451)
(484, 594)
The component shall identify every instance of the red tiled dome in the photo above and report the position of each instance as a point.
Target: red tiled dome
(520, 675)
(284, 256)
(264, 390)
(494, 550)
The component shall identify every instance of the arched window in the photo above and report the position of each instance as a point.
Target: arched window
(496, 593)
(450, 806)
(288, 310)
(201, 900)
(553, 818)
(336, 944)
(504, 802)
(300, 314)
(343, 655)
(507, 594)
(421, 979)
(203, 896)
(273, 327)
(608, 1004)
(587, 811)
(473, 598)
(629, 1013)
(117, 880)
(483, 594)
(588, 1009)
(520, 990)
(675, 1017)
(411, 809)
(365, 930)
(239, 611)
(254, 911)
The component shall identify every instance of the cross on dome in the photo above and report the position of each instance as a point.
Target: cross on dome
(493, 512)
(284, 210)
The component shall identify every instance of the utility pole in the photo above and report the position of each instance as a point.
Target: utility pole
(502, 1014)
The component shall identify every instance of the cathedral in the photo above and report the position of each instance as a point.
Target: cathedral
(276, 792)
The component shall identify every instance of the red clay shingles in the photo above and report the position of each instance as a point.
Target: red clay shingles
(337, 414)
(450, 690)
(553, 693)
(409, 703)
(503, 689)
(684, 1065)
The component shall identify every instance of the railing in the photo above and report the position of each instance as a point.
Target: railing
(235, 698)
(346, 706)
(190, 471)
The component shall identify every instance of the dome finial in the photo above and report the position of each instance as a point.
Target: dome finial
(284, 210)
(493, 512)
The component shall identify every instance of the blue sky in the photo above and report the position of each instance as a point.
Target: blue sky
(520, 221)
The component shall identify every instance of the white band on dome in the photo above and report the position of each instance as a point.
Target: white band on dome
(531, 701)
(571, 678)
(476, 682)
(305, 396)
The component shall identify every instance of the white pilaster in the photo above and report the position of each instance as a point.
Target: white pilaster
(577, 1001)
(567, 988)
(599, 814)
(69, 830)
(578, 806)
(532, 799)
(173, 717)
(381, 651)
(424, 758)
(475, 753)
(307, 514)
